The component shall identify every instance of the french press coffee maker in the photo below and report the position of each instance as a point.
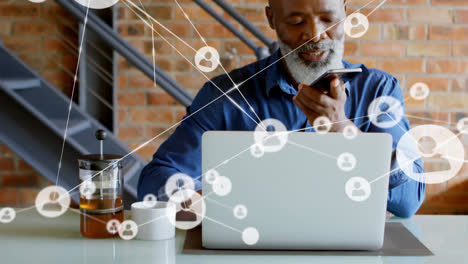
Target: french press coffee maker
(101, 193)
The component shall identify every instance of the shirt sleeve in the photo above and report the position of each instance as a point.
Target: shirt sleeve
(182, 151)
(405, 194)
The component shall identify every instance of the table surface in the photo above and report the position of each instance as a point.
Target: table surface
(33, 238)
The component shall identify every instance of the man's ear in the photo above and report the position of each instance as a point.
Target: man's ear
(269, 15)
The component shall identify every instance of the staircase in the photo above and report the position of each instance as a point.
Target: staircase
(33, 123)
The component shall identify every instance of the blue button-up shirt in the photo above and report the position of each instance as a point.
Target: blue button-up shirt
(270, 94)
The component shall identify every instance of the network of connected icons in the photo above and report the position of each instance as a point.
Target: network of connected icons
(271, 136)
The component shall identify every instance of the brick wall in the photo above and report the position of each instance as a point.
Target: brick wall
(416, 40)
(41, 35)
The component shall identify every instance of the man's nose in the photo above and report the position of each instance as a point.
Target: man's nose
(314, 32)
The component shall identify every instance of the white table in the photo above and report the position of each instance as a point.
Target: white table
(31, 238)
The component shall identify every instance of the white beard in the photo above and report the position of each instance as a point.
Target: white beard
(306, 72)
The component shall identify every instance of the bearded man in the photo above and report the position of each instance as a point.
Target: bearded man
(311, 41)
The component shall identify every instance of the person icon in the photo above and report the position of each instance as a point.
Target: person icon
(346, 161)
(6, 215)
(53, 204)
(270, 135)
(358, 191)
(128, 230)
(257, 150)
(240, 211)
(427, 147)
(207, 59)
(114, 228)
(187, 213)
(206, 62)
(419, 91)
(385, 114)
(356, 25)
(211, 176)
(350, 132)
(430, 144)
(271, 138)
(322, 124)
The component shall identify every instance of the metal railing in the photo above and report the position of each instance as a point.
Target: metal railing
(260, 51)
(114, 40)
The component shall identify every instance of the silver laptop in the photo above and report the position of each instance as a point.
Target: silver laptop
(299, 197)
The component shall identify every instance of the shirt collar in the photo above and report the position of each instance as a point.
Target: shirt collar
(276, 75)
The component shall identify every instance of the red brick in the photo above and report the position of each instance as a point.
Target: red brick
(140, 116)
(122, 116)
(450, 2)
(131, 132)
(404, 32)
(160, 12)
(460, 85)
(351, 48)
(20, 11)
(20, 44)
(430, 15)
(131, 30)
(7, 164)
(161, 98)
(434, 83)
(403, 65)
(28, 196)
(139, 81)
(20, 180)
(450, 200)
(23, 166)
(6, 151)
(36, 28)
(382, 49)
(435, 189)
(425, 117)
(447, 66)
(159, 131)
(371, 63)
(5, 28)
(428, 49)
(460, 50)
(386, 15)
(448, 101)
(131, 99)
(461, 16)
(8, 197)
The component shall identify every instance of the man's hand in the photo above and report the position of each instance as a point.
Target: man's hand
(314, 103)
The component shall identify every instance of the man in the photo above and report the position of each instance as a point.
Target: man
(279, 91)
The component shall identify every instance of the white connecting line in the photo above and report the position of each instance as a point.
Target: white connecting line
(232, 89)
(189, 61)
(72, 93)
(221, 65)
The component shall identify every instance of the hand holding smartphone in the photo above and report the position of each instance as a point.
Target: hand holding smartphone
(323, 82)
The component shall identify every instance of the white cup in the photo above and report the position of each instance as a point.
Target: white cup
(154, 223)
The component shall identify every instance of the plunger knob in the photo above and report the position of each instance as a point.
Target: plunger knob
(101, 134)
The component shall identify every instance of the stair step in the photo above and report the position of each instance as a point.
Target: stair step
(20, 83)
(74, 125)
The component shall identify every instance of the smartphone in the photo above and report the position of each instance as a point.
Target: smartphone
(323, 82)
